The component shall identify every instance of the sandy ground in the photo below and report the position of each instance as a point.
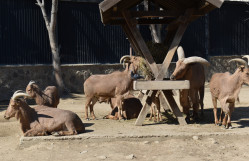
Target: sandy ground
(121, 140)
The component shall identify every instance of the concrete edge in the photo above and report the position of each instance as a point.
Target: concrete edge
(121, 137)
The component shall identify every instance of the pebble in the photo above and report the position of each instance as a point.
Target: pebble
(195, 137)
(83, 152)
(157, 142)
(146, 142)
(102, 157)
(131, 156)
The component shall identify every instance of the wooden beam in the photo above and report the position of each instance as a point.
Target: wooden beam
(173, 46)
(161, 85)
(163, 101)
(146, 101)
(106, 5)
(174, 107)
(131, 23)
(155, 14)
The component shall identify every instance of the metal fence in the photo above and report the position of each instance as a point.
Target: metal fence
(84, 39)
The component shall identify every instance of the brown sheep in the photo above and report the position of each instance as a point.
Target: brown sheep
(226, 87)
(113, 85)
(49, 97)
(42, 120)
(190, 69)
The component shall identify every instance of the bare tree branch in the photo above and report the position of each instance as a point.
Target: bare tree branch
(42, 4)
(53, 14)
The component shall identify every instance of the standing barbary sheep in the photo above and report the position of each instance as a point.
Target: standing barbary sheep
(42, 120)
(226, 87)
(111, 85)
(131, 105)
(191, 69)
(48, 97)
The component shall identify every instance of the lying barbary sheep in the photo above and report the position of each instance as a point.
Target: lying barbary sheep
(226, 87)
(113, 85)
(42, 120)
(131, 105)
(191, 69)
(48, 97)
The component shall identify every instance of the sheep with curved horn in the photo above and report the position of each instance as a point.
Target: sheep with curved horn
(191, 69)
(225, 87)
(48, 97)
(42, 120)
(113, 85)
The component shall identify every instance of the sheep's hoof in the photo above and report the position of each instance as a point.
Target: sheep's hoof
(87, 119)
(187, 120)
(55, 133)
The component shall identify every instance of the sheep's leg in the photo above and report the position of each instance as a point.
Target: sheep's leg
(151, 112)
(184, 101)
(157, 104)
(88, 101)
(195, 100)
(119, 104)
(220, 119)
(224, 122)
(94, 100)
(201, 93)
(214, 100)
(231, 108)
(35, 132)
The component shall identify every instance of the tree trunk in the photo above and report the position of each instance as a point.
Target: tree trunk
(52, 33)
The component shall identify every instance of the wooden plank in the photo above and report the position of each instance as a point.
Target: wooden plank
(163, 101)
(106, 5)
(216, 3)
(174, 107)
(147, 104)
(173, 46)
(131, 22)
(161, 85)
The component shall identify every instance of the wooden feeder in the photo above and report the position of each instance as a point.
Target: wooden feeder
(177, 14)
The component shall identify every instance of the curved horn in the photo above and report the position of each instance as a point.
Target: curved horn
(19, 93)
(180, 53)
(31, 82)
(124, 58)
(247, 57)
(240, 61)
(195, 59)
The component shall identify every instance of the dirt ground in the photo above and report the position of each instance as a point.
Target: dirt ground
(121, 140)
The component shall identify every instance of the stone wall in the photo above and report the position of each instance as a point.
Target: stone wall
(14, 78)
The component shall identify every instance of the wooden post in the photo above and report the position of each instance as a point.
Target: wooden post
(131, 23)
(183, 20)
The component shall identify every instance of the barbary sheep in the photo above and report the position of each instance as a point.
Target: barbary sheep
(48, 97)
(226, 87)
(191, 69)
(42, 120)
(113, 85)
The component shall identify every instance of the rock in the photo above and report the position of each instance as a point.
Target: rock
(132, 156)
(195, 137)
(85, 151)
(146, 142)
(102, 157)
(156, 142)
